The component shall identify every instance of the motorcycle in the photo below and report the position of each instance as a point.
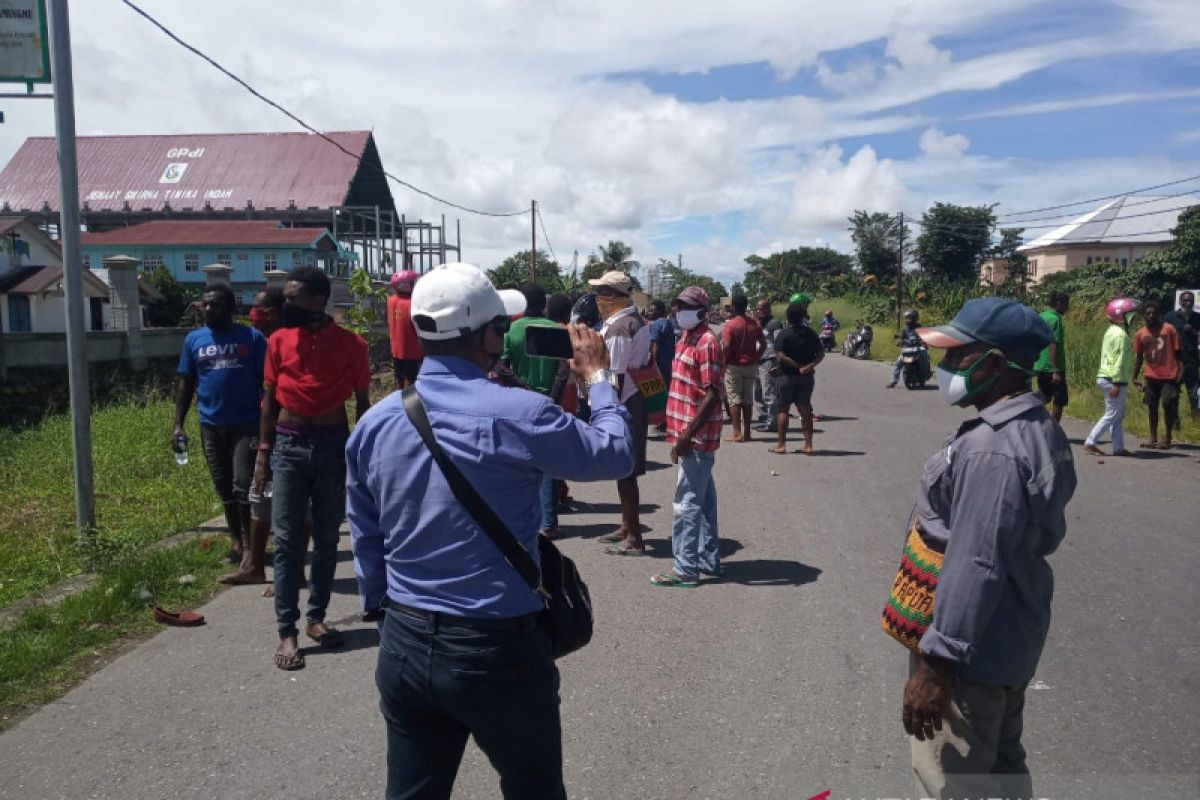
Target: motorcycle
(858, 343)
(827, 338)
(915, 360)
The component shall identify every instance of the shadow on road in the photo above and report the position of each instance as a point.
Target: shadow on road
(356, 639)
(820, 452)
(607, 508)
(661, 548)
(654, 466)
(769, 572)
(835, 418)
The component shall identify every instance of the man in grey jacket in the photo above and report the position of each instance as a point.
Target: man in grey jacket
(993, 501)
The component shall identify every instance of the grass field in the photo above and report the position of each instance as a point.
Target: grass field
(142, 496)
(1085, 329)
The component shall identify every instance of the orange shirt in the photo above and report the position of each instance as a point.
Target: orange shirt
(314, 373)
(1160, 352)
(405, 344)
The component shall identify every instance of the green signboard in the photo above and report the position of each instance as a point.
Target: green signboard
(24, 43)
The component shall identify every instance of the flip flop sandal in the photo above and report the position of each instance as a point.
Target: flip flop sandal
(673, 580)
(289, 663)
(617, 550)
(331, 639)
(1150, 446)
(611, 538)
(719, 572)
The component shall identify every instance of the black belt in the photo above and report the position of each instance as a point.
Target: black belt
(440, 619)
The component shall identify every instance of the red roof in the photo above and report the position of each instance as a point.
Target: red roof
(243, 233)
(190, 171)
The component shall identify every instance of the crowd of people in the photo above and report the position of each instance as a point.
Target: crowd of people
(463, 652)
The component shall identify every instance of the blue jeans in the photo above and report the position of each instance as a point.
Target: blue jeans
(694, 532)
(307, 469)
(549, 497)
(442, 679)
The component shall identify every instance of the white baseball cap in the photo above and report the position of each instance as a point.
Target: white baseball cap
(458, 298)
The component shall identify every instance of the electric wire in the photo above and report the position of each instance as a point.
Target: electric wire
(546, 236)
(212, 62)
(1099, 199)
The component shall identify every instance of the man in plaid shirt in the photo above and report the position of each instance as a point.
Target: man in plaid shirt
(694, 431)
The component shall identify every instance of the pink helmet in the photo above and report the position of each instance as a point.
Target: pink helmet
(1118, 310)
(406, 278)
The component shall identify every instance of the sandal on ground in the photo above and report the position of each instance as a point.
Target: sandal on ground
(719, 572)
(289, 663)
(331, 639)
(1151, 446)
(1124, 454)
(612, 538)
(673, 580)
(618, 550)
(777, 451)
(1092, 450)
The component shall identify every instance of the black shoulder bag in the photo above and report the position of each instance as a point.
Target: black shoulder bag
(567, 616)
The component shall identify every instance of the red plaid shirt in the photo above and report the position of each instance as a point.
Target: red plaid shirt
(699, 364)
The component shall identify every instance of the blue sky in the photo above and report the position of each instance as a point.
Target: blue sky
(697, 126)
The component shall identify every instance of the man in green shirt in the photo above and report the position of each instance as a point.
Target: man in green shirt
(1051, 366)
(1114, 375)
(536, 373)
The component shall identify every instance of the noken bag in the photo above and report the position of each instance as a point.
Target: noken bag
(567, 613)
(909, 609)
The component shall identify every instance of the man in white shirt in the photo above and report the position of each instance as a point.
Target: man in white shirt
(627, 336)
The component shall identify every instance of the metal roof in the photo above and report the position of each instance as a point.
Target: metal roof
(235, 233)
(201, 171)
(1132, 219)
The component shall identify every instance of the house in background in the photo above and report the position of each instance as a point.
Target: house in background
(250, 248)
(1120, 231)
(31, 293)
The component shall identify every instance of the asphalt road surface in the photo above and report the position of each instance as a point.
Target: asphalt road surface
(773, 683)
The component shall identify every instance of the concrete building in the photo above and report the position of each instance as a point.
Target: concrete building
(249, 248)
(1120, 231)
(31, 293)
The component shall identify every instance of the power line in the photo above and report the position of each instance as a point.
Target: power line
(1098, 199)
(969, 226)
(200, 54)
(546, 236)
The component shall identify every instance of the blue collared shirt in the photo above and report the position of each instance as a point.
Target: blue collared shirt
(994, 499)
(412, 540)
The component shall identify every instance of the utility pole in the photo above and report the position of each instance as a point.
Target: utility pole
(533, 236)
(68, 180)
(900, 275)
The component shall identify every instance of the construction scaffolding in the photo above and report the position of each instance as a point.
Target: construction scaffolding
(387, 242)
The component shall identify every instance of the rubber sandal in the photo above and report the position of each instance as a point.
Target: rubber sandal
(1150, 445)
(673, 580)
(331, 639)
(633, 552)
(289, 663)
(719, 572)
(611, 538)
(183, 618)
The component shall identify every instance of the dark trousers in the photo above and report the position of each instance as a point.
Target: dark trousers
(1191, 378)
(229, 451)
(442, 679)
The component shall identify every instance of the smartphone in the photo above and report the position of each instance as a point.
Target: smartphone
(547, 342)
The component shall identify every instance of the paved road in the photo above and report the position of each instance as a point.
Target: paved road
(776, 683)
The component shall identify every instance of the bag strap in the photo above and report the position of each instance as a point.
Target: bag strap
(516, 555)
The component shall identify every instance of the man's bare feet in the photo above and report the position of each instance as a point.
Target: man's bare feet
(737, 437)
(288, 656)
(242, 577)
(806, 450)
(778, 450)
(322, 634)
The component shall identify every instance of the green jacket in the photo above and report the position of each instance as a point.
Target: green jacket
(1055, 321)
(1116, 355)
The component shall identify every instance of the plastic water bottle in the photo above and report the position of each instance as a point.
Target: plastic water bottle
(267, 490)
(181, 454)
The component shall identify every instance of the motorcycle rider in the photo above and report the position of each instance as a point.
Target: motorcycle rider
(908, 338)
(829, 326)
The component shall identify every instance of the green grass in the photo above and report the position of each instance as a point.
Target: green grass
(1085, 329)
(142, 496)
(51, 647)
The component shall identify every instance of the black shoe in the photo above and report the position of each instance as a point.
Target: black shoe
(893, 383)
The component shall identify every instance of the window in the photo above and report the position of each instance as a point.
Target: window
(19, 318)
(242, 256)
(270, 262)
(87, 262)
(224, 259)
(152, 261)
(1106, 259)
(1033, 267)
(1124, 262)
(191, 262)
(1089, 261)
(295, 258)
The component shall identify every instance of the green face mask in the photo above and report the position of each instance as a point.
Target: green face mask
(957, 386)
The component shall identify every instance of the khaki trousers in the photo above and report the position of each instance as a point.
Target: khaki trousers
(978, 752)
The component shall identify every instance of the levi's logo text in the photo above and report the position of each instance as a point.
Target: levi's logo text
(222, 356)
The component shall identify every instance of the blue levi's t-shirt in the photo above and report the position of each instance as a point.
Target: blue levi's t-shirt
(228, 368)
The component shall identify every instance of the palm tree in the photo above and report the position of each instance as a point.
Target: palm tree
(618, 255)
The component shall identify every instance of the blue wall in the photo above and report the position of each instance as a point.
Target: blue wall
(247, 262)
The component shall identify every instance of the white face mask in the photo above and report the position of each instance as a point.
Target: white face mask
(688, 318)
(952, 385)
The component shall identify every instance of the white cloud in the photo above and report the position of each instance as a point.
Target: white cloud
(937, 144)
(827, 191)
(1071, 104)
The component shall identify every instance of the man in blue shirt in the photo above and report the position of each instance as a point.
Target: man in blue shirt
(993, 502)
(461, 652)
(222, 365)
(662, 343)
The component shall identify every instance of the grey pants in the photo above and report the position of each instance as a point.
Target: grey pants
(764, 390)
(978, 752)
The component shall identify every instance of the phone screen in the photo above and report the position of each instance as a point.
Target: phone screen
(548, 342)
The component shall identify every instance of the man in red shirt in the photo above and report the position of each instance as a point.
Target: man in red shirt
(406, 347)
(1158, 344)
(744, 344)
(313, 367)
(694, 432)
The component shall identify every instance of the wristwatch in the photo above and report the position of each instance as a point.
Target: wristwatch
(600, 376)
